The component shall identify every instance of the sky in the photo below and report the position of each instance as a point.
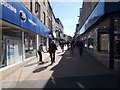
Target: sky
(68, 13)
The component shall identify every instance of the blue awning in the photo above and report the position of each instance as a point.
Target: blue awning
(101, 9)
(16, 13)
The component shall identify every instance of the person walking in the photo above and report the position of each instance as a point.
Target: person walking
(52, 50)
(72, 47)
(40, 50)
(81, 46)
(62, 46)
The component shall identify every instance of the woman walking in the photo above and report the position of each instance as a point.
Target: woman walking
(40, 50)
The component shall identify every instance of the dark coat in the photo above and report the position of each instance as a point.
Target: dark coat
(52, 47)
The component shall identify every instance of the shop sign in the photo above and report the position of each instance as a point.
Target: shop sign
(16, 13)
(33, 23)
(10, 7)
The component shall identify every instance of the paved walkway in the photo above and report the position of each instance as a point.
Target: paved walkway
(69, 71)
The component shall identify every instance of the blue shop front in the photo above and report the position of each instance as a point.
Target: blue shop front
(19, 30)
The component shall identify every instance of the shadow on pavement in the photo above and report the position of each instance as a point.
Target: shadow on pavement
(95, 81)
(28, 65)
(41, 69)
(74, 71)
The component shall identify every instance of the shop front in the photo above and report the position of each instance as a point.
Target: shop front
(101, 37)
(117, 38)
(18, 34)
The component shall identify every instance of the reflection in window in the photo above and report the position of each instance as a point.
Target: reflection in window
(30, 45)
(103, 43)
(90, 42)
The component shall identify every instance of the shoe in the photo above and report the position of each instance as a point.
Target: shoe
(51, 63)
(42, 62)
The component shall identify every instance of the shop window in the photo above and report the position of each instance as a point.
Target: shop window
(117, 38)
(85, 42)
(11, 47)
(30, 45)
(3, 56)
(90, 42)
(103, 41)
(43, 41)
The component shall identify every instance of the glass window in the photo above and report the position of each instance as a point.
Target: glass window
(44, 18)
(11, 47)
(30, 45)
(103, 41)
(90, 42)
(44, 2)
(117, 38)
(31, 5)
(37, 9)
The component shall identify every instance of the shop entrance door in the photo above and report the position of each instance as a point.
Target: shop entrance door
(14, 51)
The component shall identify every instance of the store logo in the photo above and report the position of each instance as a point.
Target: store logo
(22, 15)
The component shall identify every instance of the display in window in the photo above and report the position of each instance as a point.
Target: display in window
(26, 44)
(30, 44)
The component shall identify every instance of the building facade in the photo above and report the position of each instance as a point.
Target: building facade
(24, 25)
(59, 29)
(99, 27)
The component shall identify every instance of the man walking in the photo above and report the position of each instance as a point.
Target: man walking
(81, 46)
(52, 50)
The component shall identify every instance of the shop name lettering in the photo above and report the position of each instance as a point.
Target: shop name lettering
(4, 3)
(32, 22)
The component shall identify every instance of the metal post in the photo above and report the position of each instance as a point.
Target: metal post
(111, 35)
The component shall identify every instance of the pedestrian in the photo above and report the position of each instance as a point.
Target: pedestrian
(68, 44)
(72, 47)
(81, 46)
(62, 46)
(52, 50)
(40, 50)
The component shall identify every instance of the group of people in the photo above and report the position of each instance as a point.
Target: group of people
(52, 49)
(78, 44)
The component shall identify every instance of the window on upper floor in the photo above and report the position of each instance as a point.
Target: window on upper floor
(31, 5)
(44, 18)
(37, 9)
(44, 2)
